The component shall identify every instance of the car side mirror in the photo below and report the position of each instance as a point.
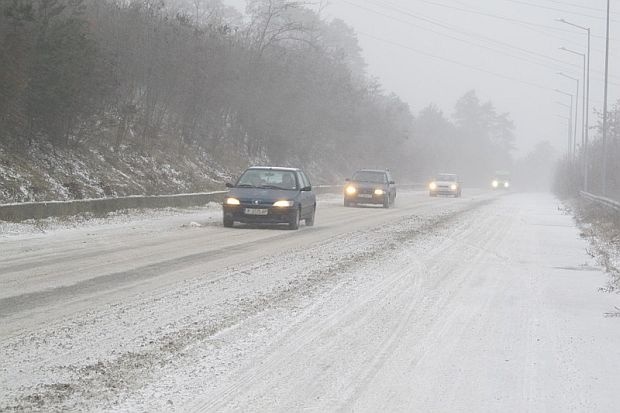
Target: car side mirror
(392, 182)
(347, 180)
(307, 189)
(229, 185)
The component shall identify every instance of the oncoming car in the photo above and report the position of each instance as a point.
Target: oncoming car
(445, 184)
(370, 186)
(501, 180)
(270, 195)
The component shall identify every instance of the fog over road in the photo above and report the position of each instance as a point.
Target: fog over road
(482, 303)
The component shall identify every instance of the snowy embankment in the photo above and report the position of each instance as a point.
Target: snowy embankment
(44, 173)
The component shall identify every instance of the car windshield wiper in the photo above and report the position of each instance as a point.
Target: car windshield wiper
(246, 186)
(273, 187)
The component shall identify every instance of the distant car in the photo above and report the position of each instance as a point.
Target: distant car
(445, 184)
(370, 186)
(270, 195)
(501, 180)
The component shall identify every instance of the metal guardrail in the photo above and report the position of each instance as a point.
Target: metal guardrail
(607, 202)
(17, 212)
(38, 210)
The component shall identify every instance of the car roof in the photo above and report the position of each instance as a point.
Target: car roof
(275, 168)
(372, 170)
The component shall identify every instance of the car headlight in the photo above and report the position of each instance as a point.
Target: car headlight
(232, 201)
(432, 186)
(506, 184)
(351, 190)
(379, 192)
(495, 184)
(283, 204)
(453, 187)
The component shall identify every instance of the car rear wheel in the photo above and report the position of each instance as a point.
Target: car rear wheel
(294, 223)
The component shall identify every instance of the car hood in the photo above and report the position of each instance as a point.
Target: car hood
(446, 183)
(261, 194)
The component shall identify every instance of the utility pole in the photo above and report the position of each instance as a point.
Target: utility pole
(605, 115)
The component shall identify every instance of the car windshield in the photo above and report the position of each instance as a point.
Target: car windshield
(369, 176)
(446, 177)
(268, 178)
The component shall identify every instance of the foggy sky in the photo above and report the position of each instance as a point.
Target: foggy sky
(388, 35)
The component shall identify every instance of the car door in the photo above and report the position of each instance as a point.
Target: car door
(307, 197)
(392, 185)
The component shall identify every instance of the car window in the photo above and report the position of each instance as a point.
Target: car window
(446, 177)
(370, 176)
(305, 180)
(267, 178)
(300, 178)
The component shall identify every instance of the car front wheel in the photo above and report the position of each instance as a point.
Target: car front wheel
(294, 223)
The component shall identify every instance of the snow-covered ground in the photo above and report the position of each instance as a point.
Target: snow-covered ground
(168, 217)
(484, 303)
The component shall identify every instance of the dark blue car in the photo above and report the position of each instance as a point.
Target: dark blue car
(270, 195)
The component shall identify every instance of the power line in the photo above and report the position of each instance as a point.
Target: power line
(389, 6)
(498, 17)
(455, 62)
(552, 66)
(539, 6)
(575, 5)
(464, 32)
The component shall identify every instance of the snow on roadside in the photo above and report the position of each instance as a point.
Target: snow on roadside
(602, 228)
(48, 226)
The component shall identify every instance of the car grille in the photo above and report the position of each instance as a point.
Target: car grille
(366, 191)
(256, 202)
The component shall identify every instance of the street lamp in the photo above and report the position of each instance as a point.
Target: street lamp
(576, 111)
(587, 105)
(584, 103)
(570, 118)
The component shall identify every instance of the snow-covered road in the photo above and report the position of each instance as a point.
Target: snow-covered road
(484, 303)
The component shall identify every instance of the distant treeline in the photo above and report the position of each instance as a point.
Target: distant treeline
(278, 83)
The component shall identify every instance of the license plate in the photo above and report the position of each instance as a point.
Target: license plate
(364, 196)
(252, 211)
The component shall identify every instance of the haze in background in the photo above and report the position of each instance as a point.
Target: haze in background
(433, 51)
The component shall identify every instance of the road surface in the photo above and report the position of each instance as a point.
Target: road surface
(484, 303)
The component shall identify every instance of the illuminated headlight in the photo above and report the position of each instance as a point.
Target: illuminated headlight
(453, 187)
(232, 201)
(284, 204)
(351, 190)
(379, 192)
(433, 186)
(506, 184)
(495, 184)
